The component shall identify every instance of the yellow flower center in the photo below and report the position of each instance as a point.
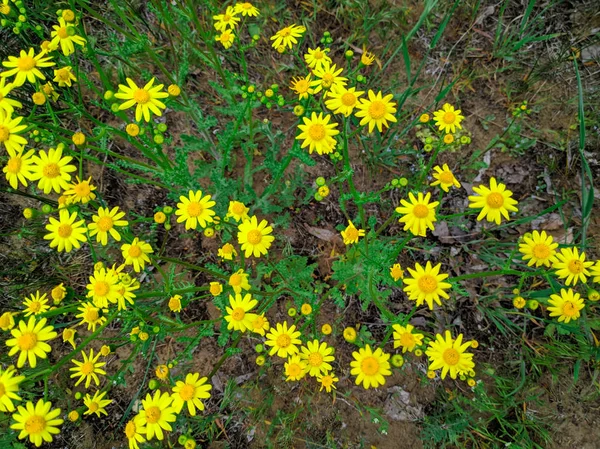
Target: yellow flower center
(101, 288)
(446, 177)
(105, 223)
(327, 80)
(238, 314)
(65, 230)
(254, 237)
(226, 17)
(369, 366)
(283, 341)
(318, 54)
(569, 309)
(93, 407)
(348, 99)
(449, 117)
(87, 368)
(35, 306)
(63, 33)
(26, 63)
(141, 96)
(14, 164)
(152, 415)
(187, 392)
(541, 251)
(317, 132)
(91, 314)
(294, 370)
(195, 209)
(135, 251)
(4, 133)
(301, 86)
(451, 356)
(377, 110)
(238, 208)
(51, 170)
(246, 6)
(27, 341)
(285, 32)
(315, 359)
(420, 211)
(82, 189)
(495, 200)
(576, 266)
(63, 74)
(427, 284)
(352, 234)
(407, 339)
(130, 430)
(35, 424)
(327, 381)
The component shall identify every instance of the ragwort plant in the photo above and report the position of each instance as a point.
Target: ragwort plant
(72, 99)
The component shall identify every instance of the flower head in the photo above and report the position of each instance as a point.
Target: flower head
(9, 387)
(260, 324)
(7, 105)
(191, 392)
(327, 381)
(449, 355)
(539, 249)
(295, 368)
(317, 133)
(64, 76)
(426, 285)
(81, 191)
(286, 37)
(327, 77)
(283, 340)
(448, 119)
(135, 431)
(301, 86)
(227, 252)
(351, 234)
(227, 20)
(157, 414)
(418, 214)
(88, 370)
(146, 99)
(195, 210)
(317, 57)
(396, 272)
(65, 36)
(318, 356)
(376, 111)
(254, 237)
(237, 316)
(239, 281)
(26, 67)
(103, 287)
(571, 265)
(444, 178)
(106, 223)
(246, 9)
(405, 338)
(19, 167)
(342, 100)
(238, 211)
(495, 202)
(38, 422)
(52, 170)
(226, 38)
(36, 304)
(175, 303)
(136, 254)
(91, 315)
(96, 404)
(566, 306)
(10, 130)
(370, 367)
(30, 340)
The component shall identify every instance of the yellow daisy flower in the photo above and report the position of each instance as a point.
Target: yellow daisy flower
(135, 431)
(295, 368)
(37, 422)
(64, 76)
(26, 67)
(327, 76)
(396, 272)
(237, 316)
(88, 369)
(146, 99)
(449, 355)
(286, 37)
(96, 404)
(157, 414)
(7, 322)
(36, 304)
(65, 233)
(30, 339)
(376, 111)
(7, 105)
(64, 35)
(370, 367)
(216, 288)
(327, 381)
(9, 387)
(260, 324)
(10, 128)
(418, 215)
(539, 249)
(444, 178)
(405, 338)
(495, 202)
(239, 281)
(191, 392)
(136, 254)
(448, 119)
(227, 20)
(317, 356)
(254, 237)
(226, 38)
(227, 252)
(238, 211)
(570, 265)
(81, 191)
(175, 303)
(246, 9)
(19, 167)
(105, 222)
(426, 285)
(103, 287)
(342, 100)
(58, 293)
(301, 86)
(317, 133)
(125, 293)
(283, 340)
(367, 58)
(68, 336)
(351, 234)
(91, 315)
(316, 57)
(195, 209)
(52, 170)
(565, 306)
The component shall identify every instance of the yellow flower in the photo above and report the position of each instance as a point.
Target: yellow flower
(317, 133)
(81, 191)
(254, 237)
(136, 254)
(342, 100)
(595, 272)
(68, 335)
(135, 431)
(37, 422)
(105, 222)
(52, 170)
(444, 178)
(146, 99)
(7, 322)
(327, 381)
(418, 215)
(246, 9)
(195, 209)
(26, 67)
(260, 324)
(90, 315)
(424, 118)
(88, 369)
(226, 38)
(326, 329)
(7, 105)
(103, 287)
(30, 339)
(9, 387)
(349, 334)
(283, 340)
(570, 265)
(34, 305)
(495, 202)
(237, 316)
(328, 77)
(227, 252)
(448, 119)
(448, 139)
(105, 350)
(10, 128)
(519, 302)
(65, 233)
(162, 372)
(216, 288)
(68, 15)
(227, 20)
(306, 309)
(239, 281)
(18, 167)
(96, 404)
(50, 92)
(565, 306)
(160, 217)
(539, 249)
(376, 111)
(157, 414)
(64, 35)
(370, 367)
(301, 87)
(238, 211)
(317, 357)
(351, 234)
(175, 303)
(396, 272)
(367, 58)
(64, 76)
(132, 129)
(316, 57)
(191, 392)
(426, 285)
(286, 37)
(449, 355)
(295, 368)
(174, 90)
(405, 338)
